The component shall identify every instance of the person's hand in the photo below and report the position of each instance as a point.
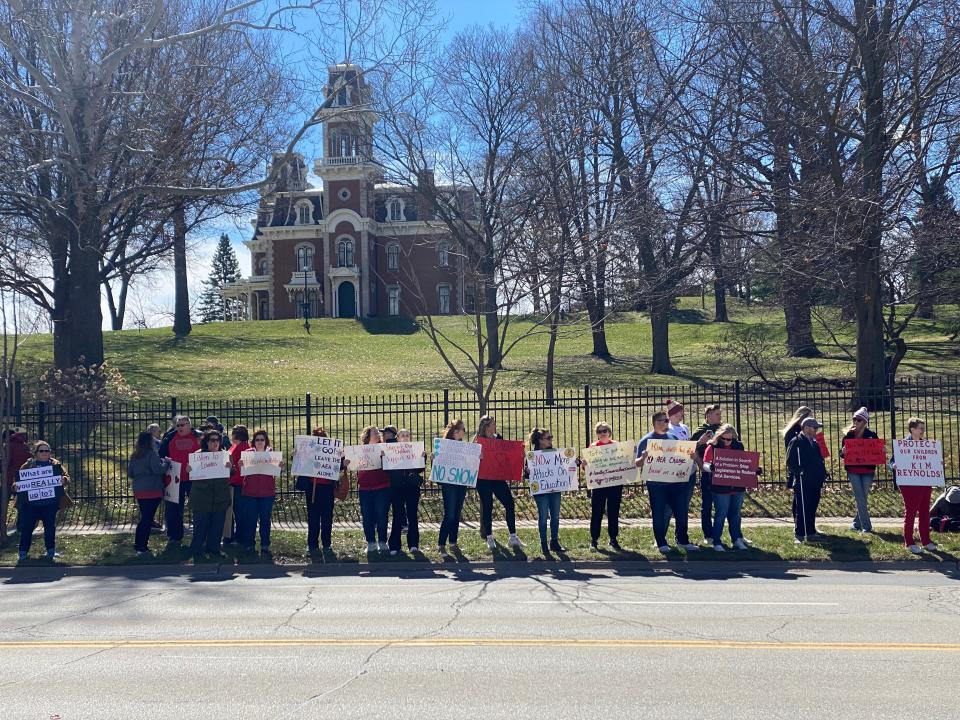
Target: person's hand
(705, 438)
(189, 468)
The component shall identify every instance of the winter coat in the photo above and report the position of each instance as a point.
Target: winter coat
(147, 474)
(23, 498)
(804, 458)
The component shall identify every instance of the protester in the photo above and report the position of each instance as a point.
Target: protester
(675, 412)
(792, 428)
(604, 499)
(213, 423)
(727, 501)
(808, 472)
(453, 497)
(488, 489)
(41, 509)
(712, 419)
(373, 489)
(154, 430)
(146, 471)
(404, 499)
(665, 494)
(239, 441)
(916, 499)
(18, 452)
(209, 500)
(548, 504)
(860, 476)
(178, 443)
(389, 434)
(945, 511)
(257, 496)
(318, 493)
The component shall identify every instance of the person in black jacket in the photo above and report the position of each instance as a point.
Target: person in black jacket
(405, 499)
(806, 467)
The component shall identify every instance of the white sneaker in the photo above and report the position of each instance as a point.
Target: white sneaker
(371, 547)
(915, 549)
(414, 549)
(690, 547)
(491, 542)
(664, 549)
(740, 544)
(442, 549)
(394, 552)
(719, 548)
(514, 541)
(707, 542)
(932, 547)
(746, 541)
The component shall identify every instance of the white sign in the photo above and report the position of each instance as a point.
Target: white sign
(403, 456)
(317, 457)
(260, 463)
(171, 492)
(209, 465)
(364, 457)
(919, 462)
(455, 462)
(552, 470)
(668, 461)
(41, 478)
(611, 464)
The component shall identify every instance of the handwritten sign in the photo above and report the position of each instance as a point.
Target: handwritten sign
(611, 464)
(171, 491)
(39, 483)
(735, 468)
(455, 462)
(403, 456)
(552, 470)
(317, 457)
(919, 462)
(822, 444)
(501, 459)
(261, 463)
(364, 457)
(864, 451)
(668, 461)
(209, 465)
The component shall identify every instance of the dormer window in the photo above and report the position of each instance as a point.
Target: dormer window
(395, 210)
(304, 212)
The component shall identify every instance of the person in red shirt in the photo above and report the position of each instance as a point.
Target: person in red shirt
(605, 499)
(240, 441)
(177, 445)
(373, 489)
(256, 501)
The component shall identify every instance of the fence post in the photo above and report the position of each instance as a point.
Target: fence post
(309, 416)
(41, 420)
(587, 415)
(446, 406)
(736, 405)
(893, 406)
(173, 407)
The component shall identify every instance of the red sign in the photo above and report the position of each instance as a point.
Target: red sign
(735, 468)
(860, 451)
(822, 442)
(501, 459)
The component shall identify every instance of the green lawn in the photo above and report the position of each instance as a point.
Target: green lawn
(770, 543)
(347, 357)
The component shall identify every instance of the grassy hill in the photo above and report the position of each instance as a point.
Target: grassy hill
(352, 357)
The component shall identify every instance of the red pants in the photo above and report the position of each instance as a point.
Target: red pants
(916, 500)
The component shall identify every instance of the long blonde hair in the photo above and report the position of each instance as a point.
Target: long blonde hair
(725, 428)
(452, 427)
(802, 413)
(485, 422)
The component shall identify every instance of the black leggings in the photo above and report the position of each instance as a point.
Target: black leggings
(487, 490)
(605, 500)
(319, 515)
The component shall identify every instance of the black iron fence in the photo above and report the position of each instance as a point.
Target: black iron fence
(94, 441)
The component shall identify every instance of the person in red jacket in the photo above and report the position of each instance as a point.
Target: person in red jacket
(18, 452)
(373, 489)
(177, 445)
(239, 441)
(256, 501)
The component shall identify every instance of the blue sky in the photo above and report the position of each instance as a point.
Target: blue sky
(465, 12)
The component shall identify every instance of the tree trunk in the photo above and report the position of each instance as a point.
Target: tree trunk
(598, 330)
(796, 310)
(552, 344)
(181, 308)
(660, 327)
(715, 244)
(78, 326)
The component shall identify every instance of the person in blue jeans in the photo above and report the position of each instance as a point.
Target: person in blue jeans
(548, 504)
(453, 497)
(257, 495)
(373, 491)
(861, 477)
(727, 500)
(40, 509)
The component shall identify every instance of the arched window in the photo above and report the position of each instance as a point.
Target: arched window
(298, 303)
(393, 257)
(443, 253)
(443, 299)
(393, 300)
(304, 212)
(345, 253)
(304, 258)
(395, 210)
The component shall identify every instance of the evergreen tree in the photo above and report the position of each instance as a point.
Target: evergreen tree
(225, 268)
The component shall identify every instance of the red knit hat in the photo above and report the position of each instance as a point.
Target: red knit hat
(673, 407)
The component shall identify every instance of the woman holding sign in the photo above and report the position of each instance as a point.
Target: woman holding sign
(405, 500)
(453, 496)
(373, 489)
(605, 500)
(860, 476)
(916, 498)
(488, 489)
(146, 471)
(239, 443)
(727, 501)
(209, 497)
(257, 496)
(319, 495)
(40, 502)
(548, 503)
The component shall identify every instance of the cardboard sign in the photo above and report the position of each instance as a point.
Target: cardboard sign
(735, 468)
(860, 451)
(209, 465)
(260, 463)
(317, 457)
(822, 444)
(455, 462)
(364, 457)
(668, 461)
(171, 492)
(501, 459)
(612, 464)
(919, 462)
(403, 456)
(552, 470)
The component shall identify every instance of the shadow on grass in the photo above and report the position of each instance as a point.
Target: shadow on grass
(390, 326)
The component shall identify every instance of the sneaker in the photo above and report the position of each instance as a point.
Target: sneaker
(454, 547)
(514, 541)
(664, 549)
(556, 546)
(798, 541)
(414, 549)
(371, 547)
(491, 542)
(615, 545)
(719, 548)
(593, 545)
(381, 546)
(442, 550)
(22, 555)
(690, 547)
(740, 544)
(854, 528)
(915, 549)
(817, 537)
(394, 552)
(707, 543)
(52, 553)
(931, 546)
(142, 553)
(746, 541)
(544, 548)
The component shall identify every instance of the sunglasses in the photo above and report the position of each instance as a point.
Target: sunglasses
(603, 432)
(181, 424)
(44, 450)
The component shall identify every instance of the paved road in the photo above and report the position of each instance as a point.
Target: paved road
(759, 641)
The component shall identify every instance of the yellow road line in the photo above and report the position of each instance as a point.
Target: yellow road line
(472, 642)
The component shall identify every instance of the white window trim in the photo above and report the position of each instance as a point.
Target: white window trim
(336, 250)
(313, 256)
(296, 212)
(449, 299)
(403, 209)
(448, 247)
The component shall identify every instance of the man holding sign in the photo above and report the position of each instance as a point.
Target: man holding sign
(861, 451)
(39, 489)
(918, 464)
(666, 464)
